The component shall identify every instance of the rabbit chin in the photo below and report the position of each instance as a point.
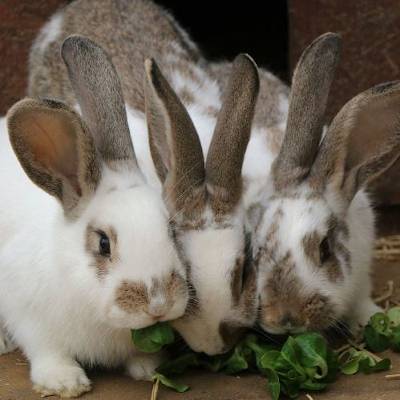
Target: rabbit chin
(201, 334)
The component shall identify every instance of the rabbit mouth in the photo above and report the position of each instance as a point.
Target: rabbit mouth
(282, 330)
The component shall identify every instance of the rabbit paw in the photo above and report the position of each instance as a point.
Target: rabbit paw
(55, 377)
(6, 344)
(142, 366)
(362, 316)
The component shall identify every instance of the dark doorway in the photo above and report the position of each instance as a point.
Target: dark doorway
(222, 29)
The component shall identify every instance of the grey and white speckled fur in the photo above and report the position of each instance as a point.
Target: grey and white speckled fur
(140, 29)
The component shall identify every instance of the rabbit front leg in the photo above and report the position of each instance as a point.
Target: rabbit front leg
(53, 370)
(57, 374)
(6, 344)
(141, 366)
(361, 313)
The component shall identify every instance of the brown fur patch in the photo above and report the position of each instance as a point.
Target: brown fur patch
(267, 252)
(236, 279)
(167, 287)
(338, 234)
(186, 96)
(132, 296)
(248, 300)
(332, 267)
(287, 302)
(310, 244)
(135, 296)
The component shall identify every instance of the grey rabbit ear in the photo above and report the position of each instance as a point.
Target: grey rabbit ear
(362, 141)
(98, 90)
(55, 149)
(231, 135)
(174, 144)
(311, 83)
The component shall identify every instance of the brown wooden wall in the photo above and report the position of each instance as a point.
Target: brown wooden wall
(371, 41)
(20, 21)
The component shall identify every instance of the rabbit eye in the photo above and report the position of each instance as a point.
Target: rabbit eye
(104, 244)
(324, 251)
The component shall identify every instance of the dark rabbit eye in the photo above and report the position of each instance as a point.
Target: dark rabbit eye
(104, 244)
(324, 251)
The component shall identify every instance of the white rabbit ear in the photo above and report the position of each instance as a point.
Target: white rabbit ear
(311, 83)
(231, 135)
(371, 118)
(99, 93)
(55, 149)
(174, 144)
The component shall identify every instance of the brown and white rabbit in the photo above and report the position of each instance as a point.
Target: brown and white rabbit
(187, 116)
(313, 229)
(86, 254)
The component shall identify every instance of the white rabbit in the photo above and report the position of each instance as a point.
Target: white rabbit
(86, 254)
(184, 116)
(313, 229)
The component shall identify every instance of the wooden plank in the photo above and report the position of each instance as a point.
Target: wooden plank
(371, 39)
(20, 23)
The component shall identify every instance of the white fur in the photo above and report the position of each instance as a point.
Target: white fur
(49, 33)
(212, 253)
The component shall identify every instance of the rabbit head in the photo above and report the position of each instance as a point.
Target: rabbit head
(310, 241)
(204, 200)
(112, 238)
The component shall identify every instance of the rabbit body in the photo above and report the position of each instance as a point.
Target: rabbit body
(144, 30)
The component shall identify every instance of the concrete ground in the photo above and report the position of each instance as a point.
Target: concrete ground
(15, 384)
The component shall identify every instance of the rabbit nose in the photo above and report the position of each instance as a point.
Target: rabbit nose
(158, 309)
(287, 321)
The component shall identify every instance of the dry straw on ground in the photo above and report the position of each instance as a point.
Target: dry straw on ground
(387, 248)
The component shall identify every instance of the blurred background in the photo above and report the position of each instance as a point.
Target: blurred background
(273, 32)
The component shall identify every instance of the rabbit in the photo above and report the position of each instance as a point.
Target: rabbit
(87, 254)
(174, 113)
(313, 228)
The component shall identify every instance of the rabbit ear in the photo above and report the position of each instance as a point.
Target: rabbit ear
(310, 88)
(362, 141)
(55, 150)
(98, 90)
(174, 144)
(231, 135)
